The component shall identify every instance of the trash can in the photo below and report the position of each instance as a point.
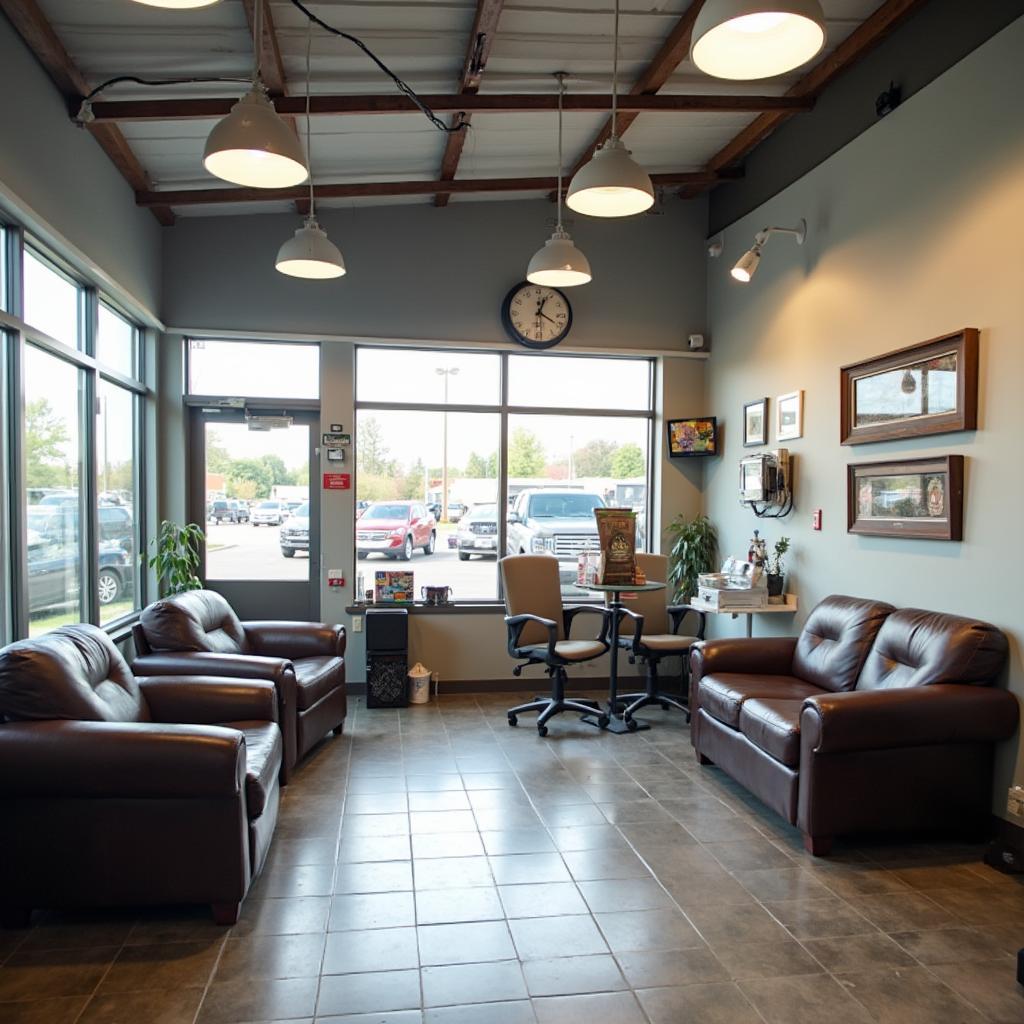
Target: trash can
(419, 684)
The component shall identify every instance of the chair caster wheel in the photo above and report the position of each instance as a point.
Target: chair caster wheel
(542, 730)
(631, 724)
(513, 720)
(603, 721)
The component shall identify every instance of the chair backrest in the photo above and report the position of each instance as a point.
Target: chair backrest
(651, 604)
(197, 620)
(921, 648)
(836, 639)
(75, 673)
(531, 586)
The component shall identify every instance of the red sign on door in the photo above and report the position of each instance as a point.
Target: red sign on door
(337, 481)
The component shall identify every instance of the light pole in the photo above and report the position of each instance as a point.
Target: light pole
(445, 372)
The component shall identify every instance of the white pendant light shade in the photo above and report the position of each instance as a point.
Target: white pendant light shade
(178, 5)
(252, 146)
(310, 254)
(746, 266)
(558, 263)
(748, 39)
(612, 184)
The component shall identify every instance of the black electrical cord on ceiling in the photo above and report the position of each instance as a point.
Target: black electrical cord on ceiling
(157, 81)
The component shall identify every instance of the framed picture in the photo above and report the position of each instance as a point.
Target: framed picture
(693, 437)
(931, 388)
(921, 498)
(755, 423)
(789, 416)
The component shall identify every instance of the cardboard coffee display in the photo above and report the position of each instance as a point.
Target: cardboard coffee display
(616, 530)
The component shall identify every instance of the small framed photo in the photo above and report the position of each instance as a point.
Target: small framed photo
(789, 416)
(755, 423)
(336, 439)
(692, 437)
(337, 428)
(335, 454)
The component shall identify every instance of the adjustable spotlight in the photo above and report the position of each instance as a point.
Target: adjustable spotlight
(747, 264)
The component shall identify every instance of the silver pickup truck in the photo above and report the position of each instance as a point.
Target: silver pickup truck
(554, 522)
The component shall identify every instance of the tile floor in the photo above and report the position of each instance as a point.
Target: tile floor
(434, 866)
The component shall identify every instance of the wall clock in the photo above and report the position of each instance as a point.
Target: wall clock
(536, 316)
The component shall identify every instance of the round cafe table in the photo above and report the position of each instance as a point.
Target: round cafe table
(616, 723)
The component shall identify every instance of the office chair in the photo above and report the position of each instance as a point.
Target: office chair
(538, 630)
(655, 638)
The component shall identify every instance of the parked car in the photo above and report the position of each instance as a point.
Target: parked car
(295, 532)
(224, 510)
(395, 529)
(361, 506)
(456, 510)
(268, 513)
(54, 568)
(59, 524)
(478, 532)
(554, 522)
(60, 499)
(243, 511)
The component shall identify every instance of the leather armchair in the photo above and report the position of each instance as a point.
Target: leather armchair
(824, 727)
(122, 791)
(198, 633)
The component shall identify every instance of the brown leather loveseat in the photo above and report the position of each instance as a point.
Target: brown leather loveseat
(198, 633)
(873, 719)
(107, 800)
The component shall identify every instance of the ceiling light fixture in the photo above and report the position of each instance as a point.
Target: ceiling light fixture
(747, 39)
(178, 5)
(559, 263)
(310, 253)
(746, 265)
(612, 183)
(252, 146)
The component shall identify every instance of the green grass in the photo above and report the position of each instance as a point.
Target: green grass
(51, 620)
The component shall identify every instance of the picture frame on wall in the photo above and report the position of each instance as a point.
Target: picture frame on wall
(789, 416)
(755, 423)
(929, 388)
(918, 498)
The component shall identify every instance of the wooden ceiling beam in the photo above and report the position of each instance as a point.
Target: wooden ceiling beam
(362, 190)
(856, 45)
(32, 25)
(490, 103)
(478, 51)
(672, 52)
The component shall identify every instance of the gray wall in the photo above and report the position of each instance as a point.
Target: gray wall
(914, 231)
(57, 174)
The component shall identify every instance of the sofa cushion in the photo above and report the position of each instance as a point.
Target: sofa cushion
(722, 695)
(836, 639)
(197, 620)
(74, 673)
(263, 753)
(921, 648)
(774, 727)
(315, 678)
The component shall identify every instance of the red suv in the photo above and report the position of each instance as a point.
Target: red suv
(395, 528)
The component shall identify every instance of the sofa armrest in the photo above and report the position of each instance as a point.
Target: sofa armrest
(119, 760)
(295, 639)
(279, 671)
(209, 699)
(910, 716)
(769, 656)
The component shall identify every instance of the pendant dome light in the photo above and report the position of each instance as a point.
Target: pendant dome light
(178, 5)
(612, 183)
(559, 264)
(252, 146)
(747, 39)
(310, 253)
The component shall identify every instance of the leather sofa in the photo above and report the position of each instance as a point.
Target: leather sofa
(116, 790)
(198, 633)
(873, 719)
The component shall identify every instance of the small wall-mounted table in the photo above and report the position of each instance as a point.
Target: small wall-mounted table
(616, 722)
(789, 608)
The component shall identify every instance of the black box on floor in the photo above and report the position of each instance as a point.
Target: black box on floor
(387, 682)
(387, 629)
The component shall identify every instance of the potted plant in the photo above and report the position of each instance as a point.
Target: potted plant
(693, 551)
(177, 557)
(777, 568)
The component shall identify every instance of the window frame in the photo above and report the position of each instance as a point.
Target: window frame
(505, 412)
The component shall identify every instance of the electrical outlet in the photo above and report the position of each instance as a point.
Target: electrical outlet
(1015, 801)
(357, 623)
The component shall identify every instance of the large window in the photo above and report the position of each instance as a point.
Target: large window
(76, 433)
(442, 494)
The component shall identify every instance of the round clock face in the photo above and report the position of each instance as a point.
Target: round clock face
(536, 316)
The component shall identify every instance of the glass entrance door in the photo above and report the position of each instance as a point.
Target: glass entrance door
(252, 473)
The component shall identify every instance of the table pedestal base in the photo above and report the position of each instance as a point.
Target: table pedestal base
(617, 724)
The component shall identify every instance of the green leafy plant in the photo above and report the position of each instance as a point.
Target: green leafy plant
(776, 565)
(693, 551)
(177, 557)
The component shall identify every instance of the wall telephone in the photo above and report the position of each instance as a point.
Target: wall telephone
(766, 484)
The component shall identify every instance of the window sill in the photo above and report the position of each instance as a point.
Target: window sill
(418, 608)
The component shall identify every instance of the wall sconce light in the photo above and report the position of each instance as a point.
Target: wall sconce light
(746, 265)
